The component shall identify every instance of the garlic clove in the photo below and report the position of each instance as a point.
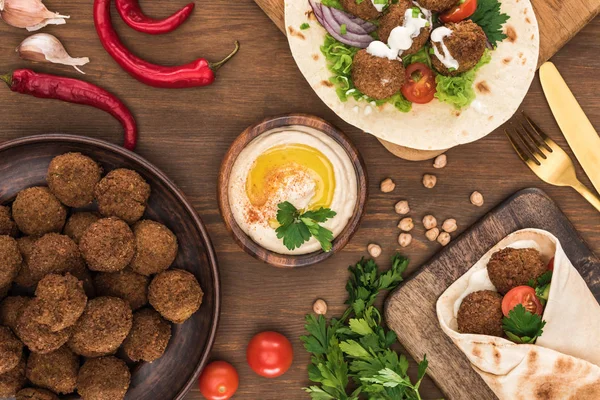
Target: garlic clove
(30, 14)
(43, 47)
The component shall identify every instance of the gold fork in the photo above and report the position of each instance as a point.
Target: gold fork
(546, 159)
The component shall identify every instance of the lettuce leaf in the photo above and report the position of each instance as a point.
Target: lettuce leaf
(458, 90)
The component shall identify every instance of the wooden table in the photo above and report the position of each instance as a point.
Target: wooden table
(187, 132)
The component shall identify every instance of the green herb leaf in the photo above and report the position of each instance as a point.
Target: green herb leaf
(491, 19)
(295, 228)
(320, 215)
(333, 4)
(343, 29)
(521, 326)
(305, 26)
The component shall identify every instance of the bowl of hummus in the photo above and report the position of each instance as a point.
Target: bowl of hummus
(292, 190)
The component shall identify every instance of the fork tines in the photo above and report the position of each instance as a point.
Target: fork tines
(529, 140)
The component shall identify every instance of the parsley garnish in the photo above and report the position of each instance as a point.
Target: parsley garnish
(304, 26)
(358, 348)
(343, 29)
(489, 17)
(521, 326)
(297, 227)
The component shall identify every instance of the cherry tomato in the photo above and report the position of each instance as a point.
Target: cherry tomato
(463, 10)
(551, 265)
(522, 295)
(420, 84)
(219, 381)
(270, 354)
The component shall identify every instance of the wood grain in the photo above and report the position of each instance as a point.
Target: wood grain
(186, 134)
(251, 133)
(448, 366)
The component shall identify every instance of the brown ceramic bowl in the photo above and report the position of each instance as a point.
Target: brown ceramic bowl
(24, 162)
(246, 243)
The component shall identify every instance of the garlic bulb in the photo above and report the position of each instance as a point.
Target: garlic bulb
(43, 47)
(30, 14)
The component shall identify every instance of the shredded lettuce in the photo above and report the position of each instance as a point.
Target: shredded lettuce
(421, 56)
(339, 58)
(458, 90)
(333, 4)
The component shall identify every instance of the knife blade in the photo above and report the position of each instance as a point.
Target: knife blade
(574, 124)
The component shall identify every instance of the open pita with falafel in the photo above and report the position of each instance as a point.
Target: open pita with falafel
(427, 74)
(526, 320)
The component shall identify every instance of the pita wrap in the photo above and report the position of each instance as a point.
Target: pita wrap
(565, 361)
(500, 86)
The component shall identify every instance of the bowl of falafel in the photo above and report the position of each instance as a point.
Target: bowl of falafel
(108, 278)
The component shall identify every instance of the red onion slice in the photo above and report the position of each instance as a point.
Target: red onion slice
(352, 21)
(351, 26)
(334, 29)
(357, 30)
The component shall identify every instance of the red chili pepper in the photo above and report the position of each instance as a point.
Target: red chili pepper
(133, 16)
(197, 73)
(47, 86)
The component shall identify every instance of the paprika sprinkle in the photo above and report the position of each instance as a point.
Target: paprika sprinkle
(133, 16)
(47, 86)
(197, 73)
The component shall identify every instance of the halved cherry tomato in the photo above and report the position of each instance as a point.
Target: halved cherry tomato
(219, 381)
(551, 265)
(420, 84)
(463, 10)
(270, 354)
(522, 295)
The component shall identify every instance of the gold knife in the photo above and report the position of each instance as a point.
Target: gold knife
(574, 124)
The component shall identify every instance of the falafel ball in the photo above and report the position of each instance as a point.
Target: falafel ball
(377, 77)
(156, 248)
(7, 225)
(466, 45)
(122, 193)
(11, 350)
(25, 277)
(37, 211)
(10, 262)
(104, 378)
(364, 9)
(56, 371)
(437, 5)
(78, 223)
(509, 268)
(72, 178)
(175, 294)
(10, 310)
(54, 253)
(127, 285)
(108, 245)
(62, 299)
(36, 394)
(394, 18)
(481, 313)
(38, 337)
(102, 328)
(149, 336)
(12, 381)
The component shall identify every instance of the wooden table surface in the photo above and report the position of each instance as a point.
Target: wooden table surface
(187, 132)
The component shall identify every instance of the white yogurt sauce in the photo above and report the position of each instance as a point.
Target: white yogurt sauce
(401, 37)
(437, 36)
(378, 6)
(480, 107)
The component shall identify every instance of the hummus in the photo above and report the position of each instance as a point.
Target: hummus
(297, 164)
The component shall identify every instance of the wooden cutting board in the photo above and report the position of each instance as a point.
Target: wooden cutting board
(559, 20)
(410, 309)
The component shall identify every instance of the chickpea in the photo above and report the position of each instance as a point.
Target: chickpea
(440, 161)
(387, 185)
(404, 239)
(374, 250)
(449, 225)
(429, 222)
(406, 224)
(477, 199)
(429, 181)
(320, 307)
(402, 207)
(432, 234)
(444, 238)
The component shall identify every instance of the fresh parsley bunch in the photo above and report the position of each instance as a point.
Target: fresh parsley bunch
(489, 17)
(358, 348)
(521, 326)
(297, 227)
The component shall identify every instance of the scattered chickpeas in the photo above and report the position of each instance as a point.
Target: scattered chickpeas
(387, 185)
(429, 222)
(320, 307)
(406, 224)
(402, 207)
(477, 199)
(429, 181)
(444, 238)
(449, 225)
(440, 161)
(374, 250)
(432, 234)
(404, 239)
